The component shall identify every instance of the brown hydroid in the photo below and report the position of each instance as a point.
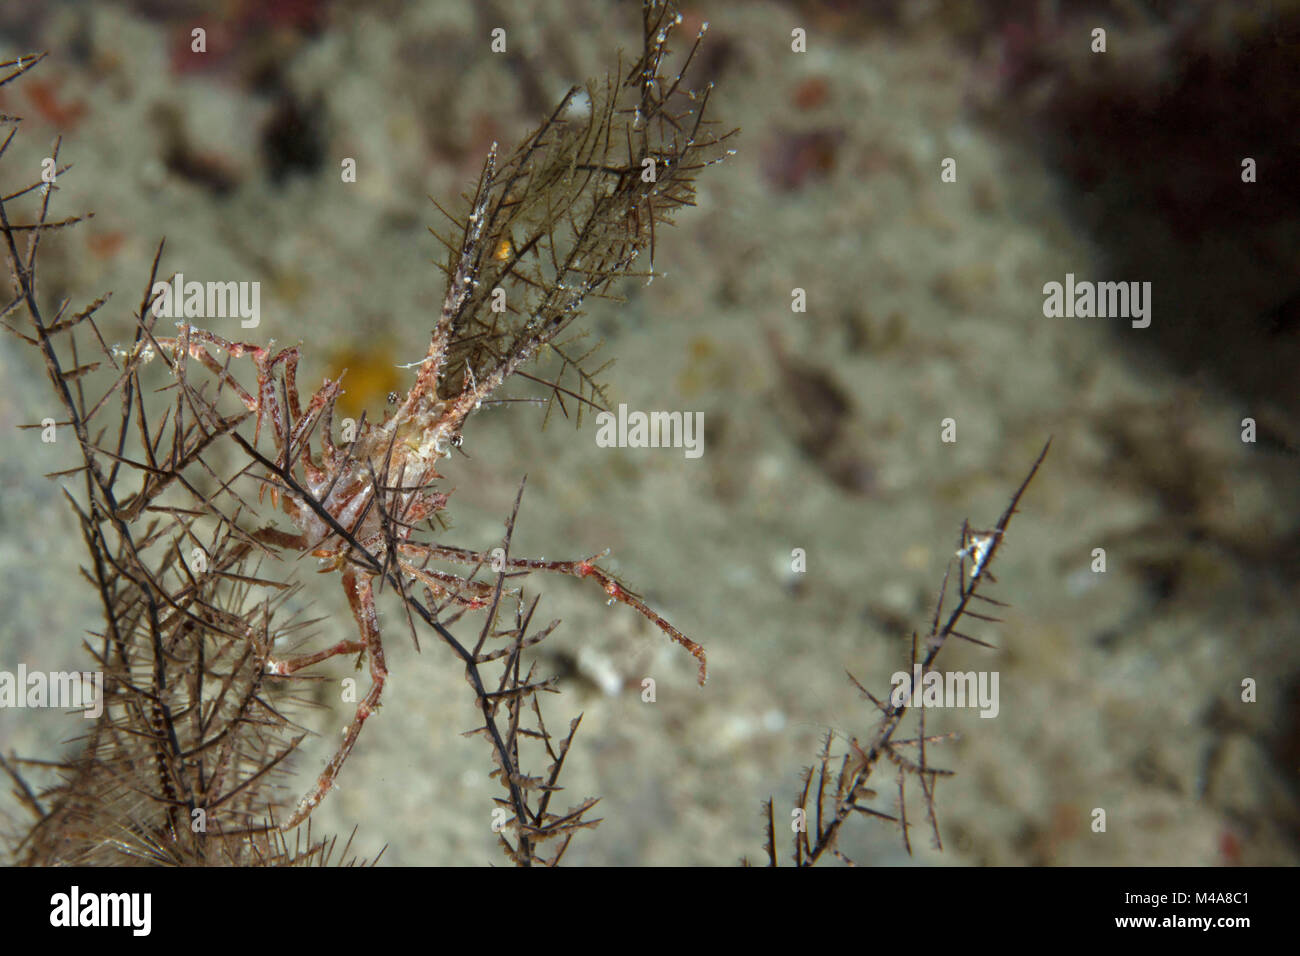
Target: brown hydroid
(202, 703)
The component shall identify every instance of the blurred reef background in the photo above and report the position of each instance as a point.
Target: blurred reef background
(1119, 690)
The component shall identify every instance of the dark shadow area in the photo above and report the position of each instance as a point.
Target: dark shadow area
(1155, 164)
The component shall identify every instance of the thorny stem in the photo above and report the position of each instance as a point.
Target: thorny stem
(880, 745)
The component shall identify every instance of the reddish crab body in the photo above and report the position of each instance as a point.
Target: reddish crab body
(377, 488)
(564, 216)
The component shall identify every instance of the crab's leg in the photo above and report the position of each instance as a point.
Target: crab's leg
(470, 594)
(290, 435)
(304, 423)
(194, 343)
(288, 665)
(361, 597)
(581, 569)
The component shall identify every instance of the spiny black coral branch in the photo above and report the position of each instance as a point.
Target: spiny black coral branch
(861, 763)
